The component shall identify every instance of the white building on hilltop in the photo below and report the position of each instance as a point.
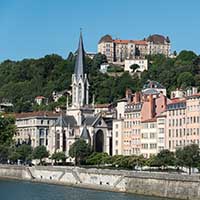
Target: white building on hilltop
(142, 63)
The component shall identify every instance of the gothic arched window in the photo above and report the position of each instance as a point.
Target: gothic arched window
(79, 93)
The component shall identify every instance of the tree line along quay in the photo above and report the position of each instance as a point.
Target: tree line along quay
(83, 155)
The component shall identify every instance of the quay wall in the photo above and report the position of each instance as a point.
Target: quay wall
(169, 185)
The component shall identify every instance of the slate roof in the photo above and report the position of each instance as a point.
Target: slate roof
(66, 121)
(80, 60)
(106, 38)
(153, 84)
(85, 134)
(88, 121)
(150, 91)
(158, 39)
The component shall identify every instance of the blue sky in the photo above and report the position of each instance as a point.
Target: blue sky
(35, 28)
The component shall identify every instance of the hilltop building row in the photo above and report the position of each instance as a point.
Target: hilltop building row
(117, 50)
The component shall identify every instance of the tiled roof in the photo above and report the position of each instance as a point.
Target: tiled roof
(121, 41)
(149, 120)
(194, 95)
(137, 42)
(102, 105)
(40, 97)
(176, 100)
(36, 114)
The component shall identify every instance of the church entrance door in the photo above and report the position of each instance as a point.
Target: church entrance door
(99, 141)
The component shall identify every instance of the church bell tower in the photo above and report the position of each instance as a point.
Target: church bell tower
(80, 84)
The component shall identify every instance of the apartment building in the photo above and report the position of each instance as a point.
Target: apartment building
(138, 133)
(34, 127)
(176, 133)
(132, 127)
(149, 137)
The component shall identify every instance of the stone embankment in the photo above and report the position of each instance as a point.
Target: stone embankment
(171, 185)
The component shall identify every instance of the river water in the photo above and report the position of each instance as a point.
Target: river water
(22, 190)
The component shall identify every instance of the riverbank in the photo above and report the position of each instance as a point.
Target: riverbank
(176, 186)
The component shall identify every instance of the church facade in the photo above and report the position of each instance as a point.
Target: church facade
(80, 120)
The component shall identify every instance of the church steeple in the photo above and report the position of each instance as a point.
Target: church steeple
(80, 85)
(80, 60)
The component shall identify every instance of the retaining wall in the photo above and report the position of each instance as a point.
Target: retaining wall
(147, 183)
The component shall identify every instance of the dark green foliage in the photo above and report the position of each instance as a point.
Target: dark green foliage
(114, 69)
(40, 152)
(7, 129)
(4, 153)
(98, 158)
(13, 156)
(134, 67)
(185, 79)
(58, 156)
(189, 156)
(165, 158)
(181, 71)
(80, 150)
(24, 151)
(22, 81)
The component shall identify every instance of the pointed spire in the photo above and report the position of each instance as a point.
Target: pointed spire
(80, 59)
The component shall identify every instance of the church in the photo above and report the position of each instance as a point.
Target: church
(80, 120)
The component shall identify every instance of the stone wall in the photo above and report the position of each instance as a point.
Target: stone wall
(147, 183)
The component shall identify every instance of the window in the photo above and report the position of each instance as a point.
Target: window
(116, 134)
(41, 132)
(152, 125)
(161, 130)
(169, 133)
(152, 135)
(153, 146)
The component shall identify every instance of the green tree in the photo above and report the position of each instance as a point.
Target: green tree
(13, 157)
(4, 153)
(189, 156)
(152, 161)
(165, 158)
(97, 158)
(134, 67)
(58, 156)
(40, 152)
(186, 56)
(7, 129)
(185, 79)
(24, 151)
(79, 150)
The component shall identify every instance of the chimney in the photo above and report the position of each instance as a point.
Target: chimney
(152, 106)
(137, 97)
(129, 95)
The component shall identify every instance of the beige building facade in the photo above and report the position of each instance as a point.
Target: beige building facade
(117, 50)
